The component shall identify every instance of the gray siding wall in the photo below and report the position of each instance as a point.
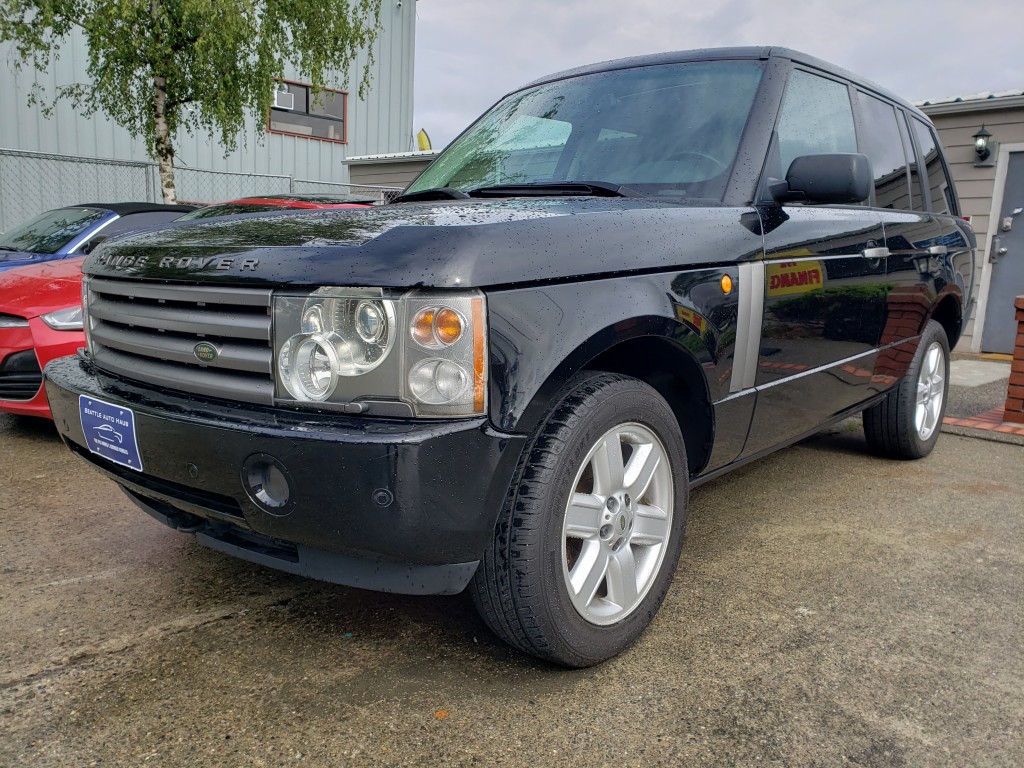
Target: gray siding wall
(390, 174)
(382, 123)
(976, 186)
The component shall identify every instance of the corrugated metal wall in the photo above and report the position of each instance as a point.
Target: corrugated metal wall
(383, 123)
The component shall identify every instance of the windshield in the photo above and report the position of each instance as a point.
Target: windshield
(671, 129)
(51, 231)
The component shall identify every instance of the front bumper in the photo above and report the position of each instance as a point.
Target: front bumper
(395, 505)
(23, 351)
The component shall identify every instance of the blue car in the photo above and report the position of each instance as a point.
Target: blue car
(76, 230)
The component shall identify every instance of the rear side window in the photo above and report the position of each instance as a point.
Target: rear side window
(816, 118)
(940, 189)
(880, 141)
(132, 221)
(129, 223)
(916, 201)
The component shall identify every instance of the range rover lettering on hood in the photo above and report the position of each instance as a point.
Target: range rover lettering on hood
(121, 261)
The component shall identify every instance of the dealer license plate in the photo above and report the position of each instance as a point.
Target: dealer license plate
(110, 432)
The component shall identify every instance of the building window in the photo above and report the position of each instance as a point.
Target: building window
(297, 112)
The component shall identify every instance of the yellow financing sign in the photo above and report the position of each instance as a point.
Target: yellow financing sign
(789, 278)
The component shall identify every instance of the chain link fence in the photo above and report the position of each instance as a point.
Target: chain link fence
(377, 194)
(194, 185)
(34, 182)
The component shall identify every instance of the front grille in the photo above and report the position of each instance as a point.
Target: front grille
(148, 332)
(20, 376)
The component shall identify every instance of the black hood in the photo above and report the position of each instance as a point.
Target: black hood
(447, 244)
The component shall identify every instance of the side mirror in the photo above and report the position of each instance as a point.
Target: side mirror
(90, 246)
(831, 179)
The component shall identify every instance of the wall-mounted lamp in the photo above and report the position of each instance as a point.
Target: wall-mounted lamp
(984, 148)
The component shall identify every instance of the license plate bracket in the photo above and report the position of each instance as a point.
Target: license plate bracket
(109, 431)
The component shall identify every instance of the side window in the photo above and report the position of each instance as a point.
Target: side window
(881, 142)
(816, 118)
(129, 223)
(940, 189)
(916, 202)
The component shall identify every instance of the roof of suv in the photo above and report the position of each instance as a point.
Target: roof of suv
(714, 54)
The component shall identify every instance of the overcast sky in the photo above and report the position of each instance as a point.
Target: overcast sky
(471, 52)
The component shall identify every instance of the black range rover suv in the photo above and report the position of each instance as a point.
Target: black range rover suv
(623, 280)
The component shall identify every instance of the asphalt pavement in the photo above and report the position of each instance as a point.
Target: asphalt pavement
(830, 608)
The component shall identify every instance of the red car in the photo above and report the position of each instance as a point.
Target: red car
(277, 202)
(40, 319)
(41, 306)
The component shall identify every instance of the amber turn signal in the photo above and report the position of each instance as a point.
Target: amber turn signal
(448, 326)
(422, 328)
(726, 284)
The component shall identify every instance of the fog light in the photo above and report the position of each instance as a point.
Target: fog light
(267, 483)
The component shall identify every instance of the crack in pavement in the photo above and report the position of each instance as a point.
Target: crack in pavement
(56, 664)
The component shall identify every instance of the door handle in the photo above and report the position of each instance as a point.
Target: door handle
(875, 253)
(938, 250)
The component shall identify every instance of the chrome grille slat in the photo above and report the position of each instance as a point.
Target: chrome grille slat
(239, 357)
(248, 297)
(148, 332)
(204, 322)
(193, 380)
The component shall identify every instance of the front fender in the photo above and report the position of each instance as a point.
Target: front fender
(559, 329)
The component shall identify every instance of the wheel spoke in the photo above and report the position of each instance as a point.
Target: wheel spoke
(622, 578)
(607, 465)
(923, 420)
(650, 526)
(583, 516)
(640, 470)
(930, 392)
(933, 358)
(922, 392)
(588, 574)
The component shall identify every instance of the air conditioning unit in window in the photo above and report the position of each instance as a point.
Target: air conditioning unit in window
(284, 100)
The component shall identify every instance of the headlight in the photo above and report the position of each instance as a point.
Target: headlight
(357, 349)
(68, 319)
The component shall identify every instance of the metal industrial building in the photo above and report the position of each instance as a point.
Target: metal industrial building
(68, 158)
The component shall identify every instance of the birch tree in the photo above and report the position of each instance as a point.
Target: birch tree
(157, 67)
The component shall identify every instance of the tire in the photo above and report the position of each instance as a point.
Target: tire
(907, 423)
(586, 547)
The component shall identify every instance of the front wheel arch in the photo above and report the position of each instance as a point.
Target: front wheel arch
(665, 355)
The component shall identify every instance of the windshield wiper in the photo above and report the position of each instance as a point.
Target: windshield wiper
(8, 248)
(556, 188)
(440, 193)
